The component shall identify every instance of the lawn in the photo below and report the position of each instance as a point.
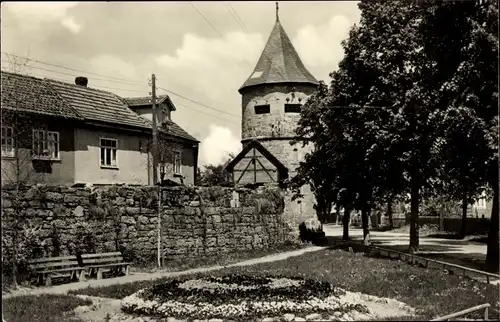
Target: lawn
(430, 291)
(41, 308)
(218, 259)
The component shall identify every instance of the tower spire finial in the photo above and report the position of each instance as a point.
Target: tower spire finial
(277, 9)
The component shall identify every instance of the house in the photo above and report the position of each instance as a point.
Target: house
(256, 165)
(67, 133)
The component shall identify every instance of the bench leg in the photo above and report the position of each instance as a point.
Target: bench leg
(99, 273)
(40, 279)
(48, 280)
(81, 276)
(127, 270)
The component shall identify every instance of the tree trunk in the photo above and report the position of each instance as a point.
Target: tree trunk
(464, 215)
(389, 211)
(364, 221)
(415, 196)
(493, 235)
(345, 222)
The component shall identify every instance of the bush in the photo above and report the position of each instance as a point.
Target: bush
(85, 237)
(29, 245)
(310, 231)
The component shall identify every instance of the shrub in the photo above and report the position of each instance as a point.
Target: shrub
(29, 245)
(86, 241)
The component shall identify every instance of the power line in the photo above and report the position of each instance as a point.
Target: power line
(113, 88)
(238, 19)
(206, 19)
(66, 81)
(207, 106)
(138, 91)
(202, 112)
(76, 70)
(237, 15)
(63, 73)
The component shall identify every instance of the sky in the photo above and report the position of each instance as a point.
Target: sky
(200, 52)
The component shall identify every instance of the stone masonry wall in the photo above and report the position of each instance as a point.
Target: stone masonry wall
(195, 221)
(274, 131)
(277, 123)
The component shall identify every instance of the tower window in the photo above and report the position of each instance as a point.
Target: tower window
(262, 109)
(292, 108)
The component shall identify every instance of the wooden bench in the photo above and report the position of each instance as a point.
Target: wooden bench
(56, 267)
(97, 263)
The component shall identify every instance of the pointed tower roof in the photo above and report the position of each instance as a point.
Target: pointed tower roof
(279, 61)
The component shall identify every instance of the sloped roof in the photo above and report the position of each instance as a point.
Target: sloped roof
(55, 98)
(171, 128)
(146, 101)
(31, 94)
(97, 105)
(279, 62)
(265, 152)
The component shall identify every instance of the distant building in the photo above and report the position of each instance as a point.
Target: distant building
(69, 133)
(272, 98)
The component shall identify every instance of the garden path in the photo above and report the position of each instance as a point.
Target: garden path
(135, 277)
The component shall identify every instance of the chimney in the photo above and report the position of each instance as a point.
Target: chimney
(82, 81)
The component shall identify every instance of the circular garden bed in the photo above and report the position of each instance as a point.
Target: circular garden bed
(243, 297)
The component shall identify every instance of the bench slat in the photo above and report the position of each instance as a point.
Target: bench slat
(102, 260)
(101, 255)
(109, 265)
(48, 265)
(51, 259)
(61, 270)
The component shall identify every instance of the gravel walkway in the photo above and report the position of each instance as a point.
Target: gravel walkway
(135, 277)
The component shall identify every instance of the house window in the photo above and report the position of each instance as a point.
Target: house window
(177, 162)
(108, 152)
(292, 108)
(7, 141)
(45, 144)
(262, 109)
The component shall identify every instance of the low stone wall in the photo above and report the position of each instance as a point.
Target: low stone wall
(195, 221)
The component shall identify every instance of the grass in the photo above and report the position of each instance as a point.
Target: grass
(430, 291)
(41, 308)
(217, 259)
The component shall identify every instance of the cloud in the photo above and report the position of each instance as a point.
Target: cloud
(214, 67)
(113, 66)
(217, 145)
(43, 12)
(319, 46)
(71, 25)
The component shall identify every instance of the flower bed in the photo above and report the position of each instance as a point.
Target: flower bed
(238, 296)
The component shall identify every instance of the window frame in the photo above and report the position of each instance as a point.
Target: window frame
(115, 148)
(262, 109)
(174, 157)
(46, 144)
(291, 108)
(12, 152)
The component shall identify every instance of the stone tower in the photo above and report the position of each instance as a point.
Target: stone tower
(271, 100)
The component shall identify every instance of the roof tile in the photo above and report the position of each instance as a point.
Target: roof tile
(31, 94)
(97, 105)
(279, 62)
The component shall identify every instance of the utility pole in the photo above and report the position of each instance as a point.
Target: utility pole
(155, 163)
(155, 130)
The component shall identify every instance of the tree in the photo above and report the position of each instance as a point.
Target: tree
(17, 165)
(467, 53)
(449, 34)
(384, 67)
(311, 172)
(216, 175)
